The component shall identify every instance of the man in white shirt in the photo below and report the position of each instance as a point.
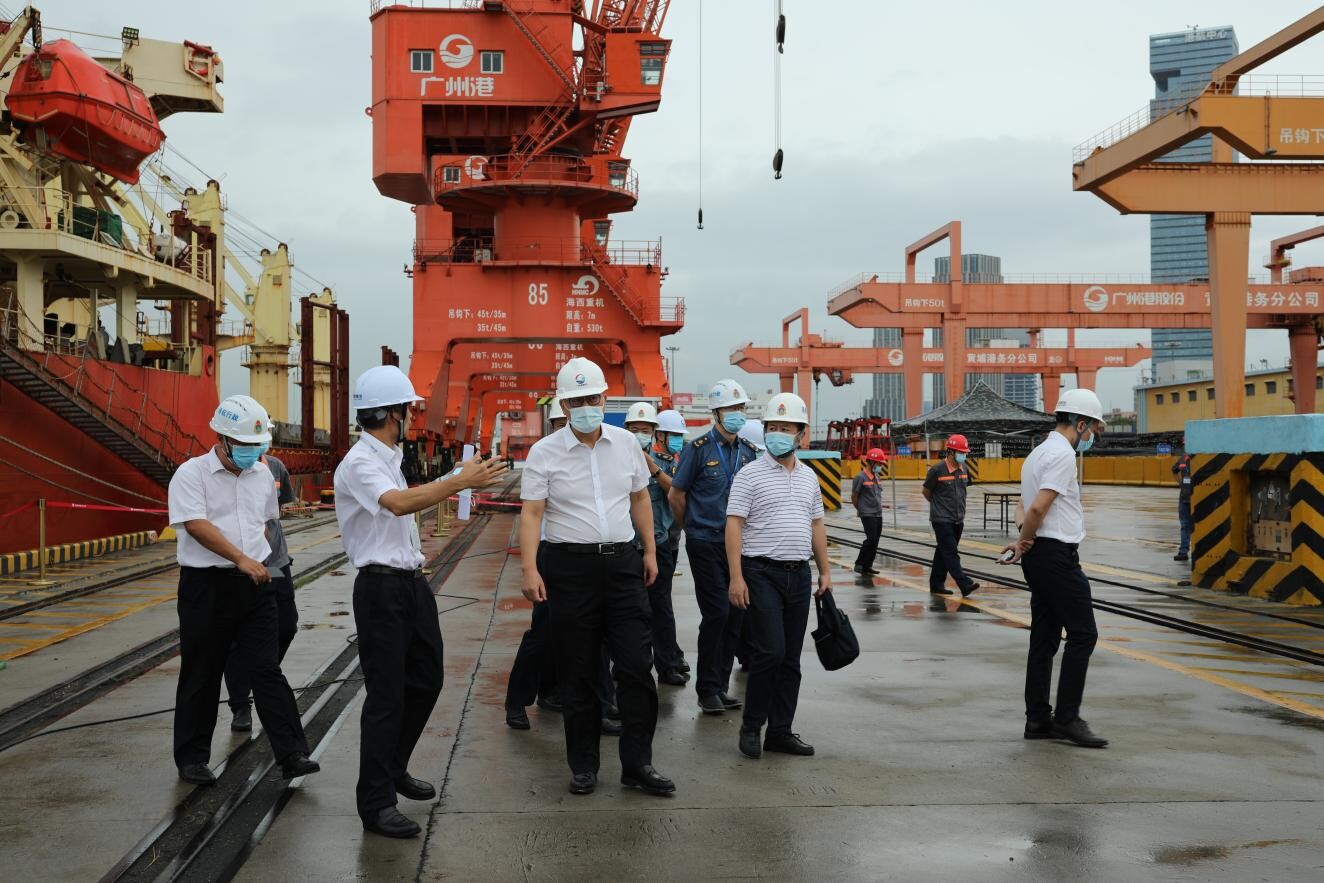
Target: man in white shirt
(1052, 529)
(220, 503)
(585, 491)
(774, 522)
(399, 636)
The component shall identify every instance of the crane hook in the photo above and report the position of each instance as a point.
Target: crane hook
(777, 164)
(781, 33)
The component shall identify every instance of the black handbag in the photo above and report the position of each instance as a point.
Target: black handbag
(834, 638)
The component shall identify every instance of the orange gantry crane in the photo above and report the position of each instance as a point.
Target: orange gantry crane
(813, 357)
(1274, 121)
(507, 140)
(955, 306)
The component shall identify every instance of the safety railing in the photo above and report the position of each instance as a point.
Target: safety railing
(478, 171)
(376, 6)
(567, 250)
(98, 384)
(47, 209)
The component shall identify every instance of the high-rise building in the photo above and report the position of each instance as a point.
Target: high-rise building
(889, 390)
(985, 268)
(1180, 64)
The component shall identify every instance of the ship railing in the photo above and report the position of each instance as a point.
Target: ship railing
(60, 210)
(376, 6)
(557, 250)
(476, 171)
(74, 365)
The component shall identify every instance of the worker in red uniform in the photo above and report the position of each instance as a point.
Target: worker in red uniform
(867, 498)
(944, 488)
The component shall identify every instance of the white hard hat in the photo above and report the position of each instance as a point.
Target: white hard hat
(726, 393)
(580, 377)
(752, 432)
(641, 412)
(788, 407)
(242, 419)
(383, 386)
(554, 412)
(671, 421)
(1080, 401)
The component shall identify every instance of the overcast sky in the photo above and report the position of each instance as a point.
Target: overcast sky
(897, 117)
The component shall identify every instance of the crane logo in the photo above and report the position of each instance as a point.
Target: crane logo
(587, 286)
(474, 166)
(895, 358)
(456, 51)
(1096, 299)
(580, 380)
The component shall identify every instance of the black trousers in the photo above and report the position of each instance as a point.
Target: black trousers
(533, 673)
(220, 608)
(666, 651)
(775, 628)
(238, 681)
(719, 625)
(1059, 598)
(595, 599)
(873, 527)
(946, 558)
(400, 652)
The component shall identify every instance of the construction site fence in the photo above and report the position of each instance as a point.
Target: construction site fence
(1153, 471)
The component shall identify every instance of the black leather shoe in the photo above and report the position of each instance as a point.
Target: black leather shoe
(197, 774)
(672, 678)
(859, 568)
(1039, 729)
(788, 743)
(730, 703)
(242, 722)
(648, 780)
(390, 822)
(1181, 556)
(583, 783)
(684, 666)
(712, 705)
(1079, 733)
(550, 703)
(871, 571)
(612, 713)
(516, 717)
(297, 765)
(610, 727)
(414, 789)
(966, 591)
(749, 743)
(942, 591)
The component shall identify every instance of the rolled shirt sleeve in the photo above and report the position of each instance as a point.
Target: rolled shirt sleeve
(187, 496)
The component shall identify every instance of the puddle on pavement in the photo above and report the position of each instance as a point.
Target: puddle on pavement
(1189, 855)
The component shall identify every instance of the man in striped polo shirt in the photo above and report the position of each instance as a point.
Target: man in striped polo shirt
(774, 522)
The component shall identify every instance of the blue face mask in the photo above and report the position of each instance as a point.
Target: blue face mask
(244, 457)
(733, 421)
(675, 443)
(1084, 444)
(779, 444)
(645, 439)
(586, 419)
(960, 458)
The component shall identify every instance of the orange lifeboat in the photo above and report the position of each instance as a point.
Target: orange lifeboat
(69, 105)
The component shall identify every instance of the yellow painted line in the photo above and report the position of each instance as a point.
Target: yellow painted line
(1141, 656)
(28, 625)
(87, 627)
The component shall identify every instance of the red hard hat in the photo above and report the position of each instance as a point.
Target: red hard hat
(877, 455)
(958, 443)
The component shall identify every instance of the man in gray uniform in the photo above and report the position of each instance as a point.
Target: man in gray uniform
(238, 682)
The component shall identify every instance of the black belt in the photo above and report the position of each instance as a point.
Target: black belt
(1056, 540)
(773, 562)
(593, 548)
(391, 571)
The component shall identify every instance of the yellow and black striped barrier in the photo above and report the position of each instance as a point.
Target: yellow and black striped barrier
(13, 562)
(1222, 556)
(827, 466)
(972, 466)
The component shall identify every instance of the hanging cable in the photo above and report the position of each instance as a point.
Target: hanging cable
(779, 40)
(700, 114)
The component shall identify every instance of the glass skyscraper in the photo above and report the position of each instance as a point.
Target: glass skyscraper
(1020, 388)
(1180, 64)
(889, 390)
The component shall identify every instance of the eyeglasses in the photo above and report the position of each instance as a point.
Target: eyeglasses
(582, 401)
